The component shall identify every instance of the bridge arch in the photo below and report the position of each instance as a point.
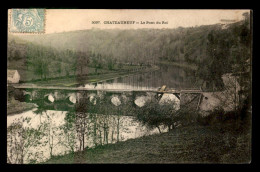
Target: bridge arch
(92, 97)
(115, 100)
(72, 98)
(49, 98)
(168, 98)
(140, 101)
(27, 96)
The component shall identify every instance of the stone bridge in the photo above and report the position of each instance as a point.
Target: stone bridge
(53, 97)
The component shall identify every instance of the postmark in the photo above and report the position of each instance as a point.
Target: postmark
(27, 21)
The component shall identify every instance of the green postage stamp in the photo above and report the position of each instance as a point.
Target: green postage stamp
(27, 21)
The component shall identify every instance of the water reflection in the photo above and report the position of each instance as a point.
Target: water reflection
(172, 77)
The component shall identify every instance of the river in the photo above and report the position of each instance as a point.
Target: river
(108, 128)
(171, 76)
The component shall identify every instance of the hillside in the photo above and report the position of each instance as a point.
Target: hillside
(142, 44)
(191, 144)
(204, 47)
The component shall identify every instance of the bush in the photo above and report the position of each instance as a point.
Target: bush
(18, 95)
(214, 117)
(153, 115)
(233, 121)
(10, 91)
(187, 117)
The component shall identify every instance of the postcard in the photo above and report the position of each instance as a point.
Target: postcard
(129, 86)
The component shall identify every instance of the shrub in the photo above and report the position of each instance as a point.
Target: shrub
(214, 117)
(18, 95)
(154, 115)
(187, 117)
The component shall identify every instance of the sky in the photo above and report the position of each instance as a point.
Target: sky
(63, 20)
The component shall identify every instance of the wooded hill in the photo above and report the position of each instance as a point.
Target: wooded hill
(142, 45)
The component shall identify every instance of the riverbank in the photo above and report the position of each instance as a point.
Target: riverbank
(177, 64)
(191, 144)
(15, 106)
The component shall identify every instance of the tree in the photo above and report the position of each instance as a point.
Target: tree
(110, 63)
(58, 68)
(246, 16)
(52, 133)
(41, 66)
(40, 110)
(82, 120)
(69, 129)
(96, 61)
(74, 66)
(154, 115)
(20, 139)
(81, 61)
(17, 55)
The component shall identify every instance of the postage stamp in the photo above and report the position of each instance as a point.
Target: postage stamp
(27, 21)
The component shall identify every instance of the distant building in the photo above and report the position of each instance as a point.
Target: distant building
(13, 76)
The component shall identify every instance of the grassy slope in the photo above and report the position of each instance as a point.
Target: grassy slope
(15, 106)
(192, 144)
